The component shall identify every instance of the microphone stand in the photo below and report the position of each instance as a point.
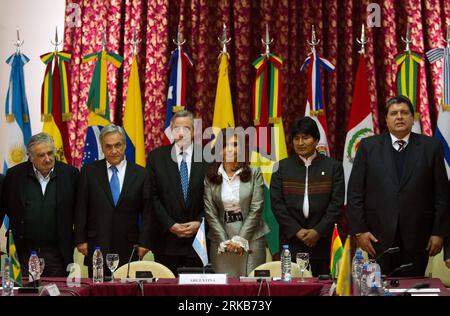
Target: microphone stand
(417, 286)
(389, 251)
(129, 261)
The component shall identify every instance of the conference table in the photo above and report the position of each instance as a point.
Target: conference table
(234, 288)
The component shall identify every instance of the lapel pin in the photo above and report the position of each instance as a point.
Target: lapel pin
(323, 173)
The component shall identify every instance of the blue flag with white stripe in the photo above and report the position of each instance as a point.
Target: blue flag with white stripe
(443, 124)
(199, 243)
(18, 128)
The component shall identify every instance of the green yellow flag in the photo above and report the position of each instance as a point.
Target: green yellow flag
(344, 275)
(133, 120)
(16, 272)
(223, 105)
(266, 165)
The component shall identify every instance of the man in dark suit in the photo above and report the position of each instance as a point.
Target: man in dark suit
(398, 193)
(112, 194)
(177, 172)
(307, 194)
(39, 198)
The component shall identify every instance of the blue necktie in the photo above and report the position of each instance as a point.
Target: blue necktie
(114, 185)
(184, 177)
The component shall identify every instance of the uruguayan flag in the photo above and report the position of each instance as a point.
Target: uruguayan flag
(443, 134)
(199, 243)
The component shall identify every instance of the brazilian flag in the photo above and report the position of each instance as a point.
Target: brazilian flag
(16, 272)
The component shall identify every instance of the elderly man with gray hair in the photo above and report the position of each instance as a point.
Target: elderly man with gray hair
(39, 198)
(112, 194)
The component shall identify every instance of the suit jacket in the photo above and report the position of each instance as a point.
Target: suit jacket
(13, 205)
(169, 206)
(416, 204)
(251, 200)
(98, 222)
(325, 194)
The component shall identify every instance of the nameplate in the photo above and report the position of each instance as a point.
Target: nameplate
(187, 278)
(52, 290)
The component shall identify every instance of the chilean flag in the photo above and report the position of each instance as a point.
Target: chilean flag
(315, 106)
(176, 96)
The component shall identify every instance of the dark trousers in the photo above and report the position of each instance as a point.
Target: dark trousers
(319, 266)
(55, 266)
(418, 258)
(175, 262)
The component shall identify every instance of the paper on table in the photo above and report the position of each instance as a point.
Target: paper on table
(429, 290)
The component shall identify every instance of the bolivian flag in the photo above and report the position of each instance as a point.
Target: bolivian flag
(336, 252)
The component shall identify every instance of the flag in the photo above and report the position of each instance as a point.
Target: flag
(223, 106)
(55, 102)
(16, 272)
(315, 107)
(408, 76)
(360, 124)
(133, 119)
(336, 252)
(345, 276)
(199, 243)
(18, 128)
(266, 99)
(98, 98)
(98, 104)
(176, 95)
(443, 123)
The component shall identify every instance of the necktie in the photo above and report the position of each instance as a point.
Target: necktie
(114, 185)
(401, 145)
(184, 177)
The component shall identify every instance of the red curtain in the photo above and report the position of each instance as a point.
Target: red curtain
(338, 25)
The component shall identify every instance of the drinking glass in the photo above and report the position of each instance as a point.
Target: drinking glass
(41, 267)
(302, 259)
(112, 261)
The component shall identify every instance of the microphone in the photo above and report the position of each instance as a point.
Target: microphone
(403, 267)
(389, 251)
(129, 260)
(417, 286)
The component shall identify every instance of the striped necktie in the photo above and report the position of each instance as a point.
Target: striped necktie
(401, 144)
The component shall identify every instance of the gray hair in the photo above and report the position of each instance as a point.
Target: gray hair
(183, 113)
(111, 128)
(40, 138)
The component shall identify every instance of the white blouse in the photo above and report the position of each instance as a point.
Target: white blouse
(230, 190)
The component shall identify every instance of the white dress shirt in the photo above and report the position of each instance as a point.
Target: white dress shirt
(230, 190)
(308, 162)
(188, 157)
(395, 139)
(43, 180)
(121, 167)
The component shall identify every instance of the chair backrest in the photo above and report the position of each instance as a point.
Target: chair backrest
(158, 270)
(439, 269)
(275, 269)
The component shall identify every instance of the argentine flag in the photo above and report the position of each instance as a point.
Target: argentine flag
(18, 128)
(199, 243)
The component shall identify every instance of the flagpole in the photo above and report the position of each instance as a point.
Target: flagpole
(56, 43)
(362, 41)
(135, 42)
(18, 43)
(447, 39)
(314, 41)
(267, 41)
(224, 40)
(104, 42)
(180, 40)
(407, 40)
